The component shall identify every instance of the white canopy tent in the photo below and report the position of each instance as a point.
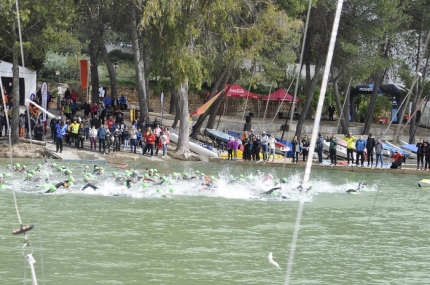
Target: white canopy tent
(27, 80)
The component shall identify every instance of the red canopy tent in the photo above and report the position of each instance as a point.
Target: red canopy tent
(279, 95)
(237, 91)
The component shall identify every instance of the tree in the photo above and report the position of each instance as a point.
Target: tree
(39, 21)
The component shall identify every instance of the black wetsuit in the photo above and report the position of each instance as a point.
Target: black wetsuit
(91, 186)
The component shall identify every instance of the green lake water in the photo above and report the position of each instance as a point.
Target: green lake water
(215, 239)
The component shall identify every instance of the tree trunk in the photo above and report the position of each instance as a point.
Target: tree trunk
(215, 87)
(94, 62)
(173, 100)
(217, 104)
(139, 64)
(177, 108)
(369, 114)
(111, 70)
(15, 101)
(310, 87)
(183, 147)
(344, 123)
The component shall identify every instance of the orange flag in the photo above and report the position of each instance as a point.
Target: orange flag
(83, 64)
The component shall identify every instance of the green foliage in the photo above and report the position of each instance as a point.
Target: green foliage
(117, 55)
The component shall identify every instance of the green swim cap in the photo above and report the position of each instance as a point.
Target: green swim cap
(212, 177)
(59, 169)
(70, 178)
(171, 189)
(155, 170)
(54, 165)
(145, 185)
(156, 175)
(86, 179)
(52, 188)
(17, 164)
(24, 166)
(284, 180)
(276, 181)
(146, 175)
(151, 170)
(197, 172)
(39, 165)
(241, 176)
(29, 175)
(86, 167)
(164, 179)
(185, 174)
(70, 183)
(32, 171)
(127, 171)
(67, 171)
(170, 182)
(202, 174)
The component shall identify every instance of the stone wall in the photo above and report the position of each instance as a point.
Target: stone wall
(230, 106)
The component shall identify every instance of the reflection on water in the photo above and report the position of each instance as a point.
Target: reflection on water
(218, 235)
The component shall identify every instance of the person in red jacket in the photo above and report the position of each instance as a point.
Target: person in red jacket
(398, 160)
(150, 141)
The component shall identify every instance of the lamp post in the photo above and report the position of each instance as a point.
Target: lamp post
(57, 73)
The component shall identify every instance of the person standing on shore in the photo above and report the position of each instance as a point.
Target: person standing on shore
(93, 138)
(271, 143)
(133, 139)
(420, 154)
(264, 147)
(370, 145)
(101, 134)
(246, 146)
(235, 148)
(331, 110)
(296, 149)
(379, 148)
(320, 146)
(230, 149)
(305, 147)
(350, 141)
(360, 145)
(332, 149)
(60, 131)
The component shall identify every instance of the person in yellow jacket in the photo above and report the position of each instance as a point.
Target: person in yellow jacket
(74, 130)
(350, 145)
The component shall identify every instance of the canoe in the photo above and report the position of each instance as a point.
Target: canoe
(389, 148)
(194, 147)
(220, 136)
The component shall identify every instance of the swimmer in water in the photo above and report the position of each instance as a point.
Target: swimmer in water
(91, 186)
(356, 191)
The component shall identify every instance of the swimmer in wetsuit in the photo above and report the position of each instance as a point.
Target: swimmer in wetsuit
(356, 191)
(91, 186)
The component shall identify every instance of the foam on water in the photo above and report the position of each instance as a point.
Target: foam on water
(252, 185)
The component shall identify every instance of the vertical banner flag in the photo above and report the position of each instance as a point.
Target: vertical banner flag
(44, 92)
(162, 108)
(83, 64)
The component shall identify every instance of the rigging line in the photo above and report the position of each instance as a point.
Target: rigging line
(267, 104)
(344, 102)
(279, 107)
(313, 139)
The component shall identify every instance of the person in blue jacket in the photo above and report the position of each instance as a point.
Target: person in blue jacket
(360, 145)
(107, 101)
(123, 102)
